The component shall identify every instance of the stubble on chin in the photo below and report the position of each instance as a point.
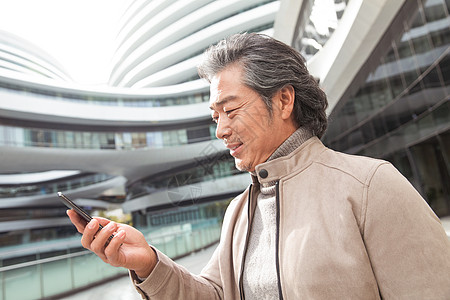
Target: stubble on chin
(241, 166)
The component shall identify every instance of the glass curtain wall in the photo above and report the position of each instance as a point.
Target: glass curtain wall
(119, 140)
(401, 112)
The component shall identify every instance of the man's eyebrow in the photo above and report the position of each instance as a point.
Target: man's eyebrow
(222, 101)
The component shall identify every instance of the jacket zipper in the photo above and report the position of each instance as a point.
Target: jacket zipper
(277, 250)
(241, 288)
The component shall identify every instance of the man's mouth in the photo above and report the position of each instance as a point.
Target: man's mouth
(235, 148)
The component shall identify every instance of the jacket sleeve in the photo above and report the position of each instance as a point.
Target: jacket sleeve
(406, 243)
(169, 280)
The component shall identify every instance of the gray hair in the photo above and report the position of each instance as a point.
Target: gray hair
(269, 65)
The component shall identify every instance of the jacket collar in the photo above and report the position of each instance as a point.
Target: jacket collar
(297, 160)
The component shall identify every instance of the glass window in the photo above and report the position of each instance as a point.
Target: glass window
(425, 125)
(355, 138)
(343, 143)
(379, 126)
(434, 10)
(70, 139)
(432, 79)
(418, 19)
(87, 136)
(60, 139)
(434, 178)
(110, 140)
(417, 103)
(332, 130)
(379, 94)
(402, 163)
(390, 116)
(78, 138)
(404, 49)
(440, 38)
(441, 115)
(363, 104)
(444, 141)
(444, 65)
(404, 113)
(183, 136)
(396, 85)
(348, 112)
(389, 57)
(434, 89)
(392, 68)
(368, 132)
(95, 140)
(409, 78)
(421, 44)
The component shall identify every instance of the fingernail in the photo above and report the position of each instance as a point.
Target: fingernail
(90, 225)
(120, 234)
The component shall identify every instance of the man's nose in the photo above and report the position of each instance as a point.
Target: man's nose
(223, 129)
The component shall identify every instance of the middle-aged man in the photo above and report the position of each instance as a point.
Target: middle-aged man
(315, 223)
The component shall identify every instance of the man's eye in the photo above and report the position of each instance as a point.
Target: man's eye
(230, 111)
(215, 119)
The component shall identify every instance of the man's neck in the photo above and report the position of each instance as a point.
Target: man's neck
(294, 141)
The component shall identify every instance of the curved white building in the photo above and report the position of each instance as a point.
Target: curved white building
(161, 42)
(18, 56)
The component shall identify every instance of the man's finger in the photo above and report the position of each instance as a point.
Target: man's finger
(77, 220)
(89, 233)
(102, 238)
(102, 221)
(112, 250)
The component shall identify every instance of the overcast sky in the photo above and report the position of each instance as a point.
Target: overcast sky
(78, 33)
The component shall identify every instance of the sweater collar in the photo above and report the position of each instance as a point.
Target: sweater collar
(299, 136)
(294, 141)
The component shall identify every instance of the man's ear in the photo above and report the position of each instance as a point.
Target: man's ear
(286, 98)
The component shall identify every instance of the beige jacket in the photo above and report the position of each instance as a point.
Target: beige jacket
(349, 227)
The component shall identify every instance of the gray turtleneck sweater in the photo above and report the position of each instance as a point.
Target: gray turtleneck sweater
(260, 275)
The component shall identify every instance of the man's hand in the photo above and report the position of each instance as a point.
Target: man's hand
(127, 249)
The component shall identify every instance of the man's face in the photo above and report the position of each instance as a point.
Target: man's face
(243, 121)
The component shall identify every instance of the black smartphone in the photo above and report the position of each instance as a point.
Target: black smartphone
(70, 204)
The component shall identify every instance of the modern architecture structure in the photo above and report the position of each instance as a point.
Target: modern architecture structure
(145, 145)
